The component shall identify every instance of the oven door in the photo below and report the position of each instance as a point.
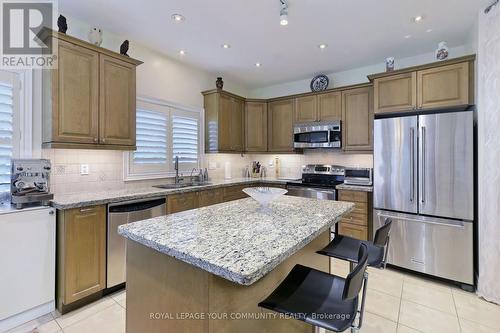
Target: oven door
(312, 192)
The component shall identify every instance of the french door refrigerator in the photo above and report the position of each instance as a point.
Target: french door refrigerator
(424, 182)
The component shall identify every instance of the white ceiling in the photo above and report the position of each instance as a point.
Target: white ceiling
(358, 32)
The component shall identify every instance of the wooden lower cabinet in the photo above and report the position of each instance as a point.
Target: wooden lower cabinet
(357, 224)
(235, 192)
(181, 202)
(210, 197)
(81, 253)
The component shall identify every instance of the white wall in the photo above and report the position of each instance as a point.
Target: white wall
(160, 76)
(352, 76)
(489, 154)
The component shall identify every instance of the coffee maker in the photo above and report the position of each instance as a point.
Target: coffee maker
(30, 182)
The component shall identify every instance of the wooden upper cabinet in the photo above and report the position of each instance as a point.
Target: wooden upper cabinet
(75, 110)
(256, 126)
(224, 122)
(237, 125)
(395, 93)
(357, 117)
(88, 100)
(117, 100)
(433, 86)
(444, 86)
(306, 109)
(330, 106)
(280, 125)
(81, 253)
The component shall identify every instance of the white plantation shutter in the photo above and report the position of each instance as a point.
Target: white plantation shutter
(164, 131)
(6, 128)
(185, 141)
(151, 137)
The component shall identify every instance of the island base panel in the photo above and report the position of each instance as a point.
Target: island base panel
(161, 289)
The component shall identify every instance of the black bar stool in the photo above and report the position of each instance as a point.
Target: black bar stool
(321, 299)
(345, 248)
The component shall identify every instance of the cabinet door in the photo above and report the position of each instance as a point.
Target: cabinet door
(224, 123)
(117, 102)
(306, 109)
(357, 117)
(84, 252)
(330, 106)
(75, 89)
(234, 192)
(210, 197)
(237, 124)
(280, 122)
(181, 202)
(256, 126)
(444, 86)
(396, 93)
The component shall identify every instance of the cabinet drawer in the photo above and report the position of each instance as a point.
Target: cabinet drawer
(210, 197)
(181, 202)
(354, 218)
(360, 208)
(235, 192)
(355, 196)
(354, 231)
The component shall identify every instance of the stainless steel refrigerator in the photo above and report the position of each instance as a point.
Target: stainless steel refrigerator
(424, 181)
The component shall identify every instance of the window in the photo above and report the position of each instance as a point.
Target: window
(9, 125)
(164, 131)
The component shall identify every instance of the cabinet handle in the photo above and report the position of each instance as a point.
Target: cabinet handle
(95, 139)
(86, 210)
(103, 140)
(51, 212)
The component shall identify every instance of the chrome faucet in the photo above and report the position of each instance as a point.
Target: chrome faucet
(176, 167)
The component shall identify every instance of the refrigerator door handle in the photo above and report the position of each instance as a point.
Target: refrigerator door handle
(424, 162)
(412, 164)
(453, 224)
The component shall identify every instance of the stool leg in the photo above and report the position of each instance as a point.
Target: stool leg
(351, 266)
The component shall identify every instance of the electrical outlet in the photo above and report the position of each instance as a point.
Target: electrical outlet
(84, 169)
(212, 165)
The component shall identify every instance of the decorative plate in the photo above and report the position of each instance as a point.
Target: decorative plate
(319, 83)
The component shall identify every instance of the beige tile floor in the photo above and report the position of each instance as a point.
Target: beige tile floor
(396, 303)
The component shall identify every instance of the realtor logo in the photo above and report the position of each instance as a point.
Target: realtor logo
(22, 24)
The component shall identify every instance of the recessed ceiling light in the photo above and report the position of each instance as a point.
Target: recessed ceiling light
(408, 36)
(322, 46)
(178, 18)
(428, 30)
(258, 64)
(418, 19)
(182, 52)
(226, 46)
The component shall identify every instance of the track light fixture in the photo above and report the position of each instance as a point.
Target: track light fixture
(284, 13)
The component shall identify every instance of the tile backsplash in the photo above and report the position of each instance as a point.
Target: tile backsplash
(106, 167)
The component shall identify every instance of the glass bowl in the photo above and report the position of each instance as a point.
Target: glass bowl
(264, 195)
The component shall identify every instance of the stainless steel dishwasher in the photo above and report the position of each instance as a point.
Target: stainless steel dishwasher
(122, 213)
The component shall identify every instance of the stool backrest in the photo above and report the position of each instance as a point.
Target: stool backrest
(382, 233)
(354, 281)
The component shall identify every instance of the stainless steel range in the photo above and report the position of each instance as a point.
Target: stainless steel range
(318, 181)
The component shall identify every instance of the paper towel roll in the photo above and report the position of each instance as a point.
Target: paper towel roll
(227, 170)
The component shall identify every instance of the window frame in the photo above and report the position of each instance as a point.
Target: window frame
(129, 174)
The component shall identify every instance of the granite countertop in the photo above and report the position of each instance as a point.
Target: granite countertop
(233, 240)
(354, 188)
(68, 201)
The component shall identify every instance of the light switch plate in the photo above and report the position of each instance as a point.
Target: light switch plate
(84, 169)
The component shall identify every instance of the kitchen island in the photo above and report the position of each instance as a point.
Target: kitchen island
(206, 269)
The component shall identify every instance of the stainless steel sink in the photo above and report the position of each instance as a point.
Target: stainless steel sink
(173, 186)
(180, 185)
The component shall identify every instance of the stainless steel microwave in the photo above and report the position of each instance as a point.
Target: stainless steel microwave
(318, 135)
